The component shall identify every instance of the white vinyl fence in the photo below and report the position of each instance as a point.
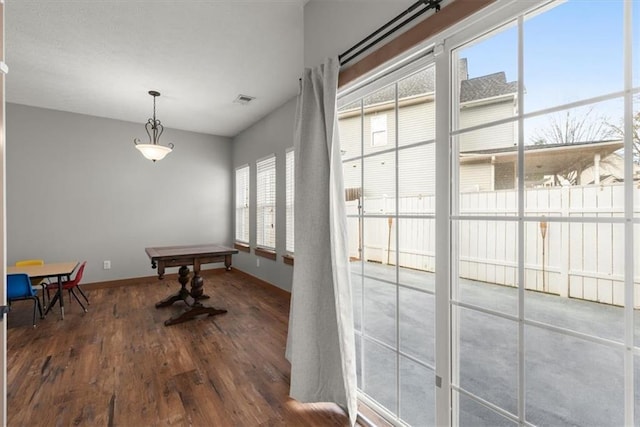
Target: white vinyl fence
(582, 260)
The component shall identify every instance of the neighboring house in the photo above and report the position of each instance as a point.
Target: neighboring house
(487, 156)
(607, 170)
(545, 165)
(483, 99)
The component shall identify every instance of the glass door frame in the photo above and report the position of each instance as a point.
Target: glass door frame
(446, 218)
(424, 59)
(438, 51)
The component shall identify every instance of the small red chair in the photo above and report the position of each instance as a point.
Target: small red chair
(71, 286)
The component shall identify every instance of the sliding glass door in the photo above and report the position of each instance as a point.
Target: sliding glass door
(388, 140)
(513, 201)
(544, 177)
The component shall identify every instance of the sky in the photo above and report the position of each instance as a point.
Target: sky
(572, 52)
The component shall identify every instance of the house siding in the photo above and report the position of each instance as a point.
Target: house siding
(476, 177)
(499, 136)
(416, 172)
(416, 123)
(379, 181)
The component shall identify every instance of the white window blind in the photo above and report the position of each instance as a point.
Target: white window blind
(266, 203)
(290, 200)
(242, 204)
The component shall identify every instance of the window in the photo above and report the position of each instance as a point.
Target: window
(547, 245)
(537, 233)
(266, 203)
(242, 204)
(379, 130)
(390, 202)
(290, 190)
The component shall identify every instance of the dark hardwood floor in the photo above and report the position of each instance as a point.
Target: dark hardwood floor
(118, 365)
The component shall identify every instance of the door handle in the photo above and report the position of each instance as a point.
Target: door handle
(4, 309)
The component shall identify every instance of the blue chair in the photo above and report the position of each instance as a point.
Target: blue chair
(19, 288)
(36, 282)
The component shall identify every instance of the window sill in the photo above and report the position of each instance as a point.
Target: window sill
(287, 259)
(244, 247)
(265, 253)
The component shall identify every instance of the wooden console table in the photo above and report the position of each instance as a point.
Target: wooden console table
(183, 257)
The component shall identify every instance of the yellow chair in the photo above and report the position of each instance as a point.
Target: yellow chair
(29, 262)
(35, 282)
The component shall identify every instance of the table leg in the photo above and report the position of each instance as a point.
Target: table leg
(57, 297)
(61, 297)
(197, 288)
(182, 294)
(196, 285)
(196, 308)
(227, 262)
(51, 303)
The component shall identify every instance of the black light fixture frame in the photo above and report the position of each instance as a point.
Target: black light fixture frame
(153, 126)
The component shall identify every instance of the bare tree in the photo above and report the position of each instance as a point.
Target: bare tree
(618, 130)
(569, 128)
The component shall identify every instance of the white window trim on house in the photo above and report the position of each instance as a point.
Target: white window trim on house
(379, 130)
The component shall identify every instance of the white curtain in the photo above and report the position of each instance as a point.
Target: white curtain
(320, 342)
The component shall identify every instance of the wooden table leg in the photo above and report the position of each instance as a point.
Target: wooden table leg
(194, 311)
(227, 262)
(196, 308)
(182, 294)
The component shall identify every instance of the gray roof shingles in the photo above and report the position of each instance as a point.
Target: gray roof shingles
(423, 83)
(488, 86)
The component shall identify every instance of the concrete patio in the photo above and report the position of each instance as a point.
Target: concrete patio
(568, 380)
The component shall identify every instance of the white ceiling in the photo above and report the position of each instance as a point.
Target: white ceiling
(101, 57)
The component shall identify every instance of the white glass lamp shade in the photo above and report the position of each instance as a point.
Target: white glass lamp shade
(153, 151)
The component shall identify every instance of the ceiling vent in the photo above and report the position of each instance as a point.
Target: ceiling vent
(244, 99)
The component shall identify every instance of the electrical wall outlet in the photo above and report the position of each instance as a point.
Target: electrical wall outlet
(257, 262)
(106, 264)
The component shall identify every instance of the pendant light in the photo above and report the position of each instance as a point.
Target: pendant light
(153, 150)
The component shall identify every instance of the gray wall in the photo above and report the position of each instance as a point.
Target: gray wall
(78, 189)
(271, 135)
(330, 28)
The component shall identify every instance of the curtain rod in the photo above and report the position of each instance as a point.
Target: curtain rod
(358, 48)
